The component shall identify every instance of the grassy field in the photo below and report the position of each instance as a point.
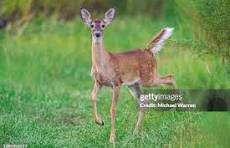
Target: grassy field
(45, 87)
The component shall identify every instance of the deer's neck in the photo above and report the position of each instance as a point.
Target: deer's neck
(99, 55)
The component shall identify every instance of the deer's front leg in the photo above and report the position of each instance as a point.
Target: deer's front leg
(96, 88)
(116, 90)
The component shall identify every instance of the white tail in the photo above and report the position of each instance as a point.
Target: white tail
(158, 41)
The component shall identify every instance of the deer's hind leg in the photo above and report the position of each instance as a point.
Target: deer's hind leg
(136, 92)
(157, 80)
(168, 80)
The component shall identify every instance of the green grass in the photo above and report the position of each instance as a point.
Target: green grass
(45, 87)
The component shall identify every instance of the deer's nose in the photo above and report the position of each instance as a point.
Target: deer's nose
(97, 35)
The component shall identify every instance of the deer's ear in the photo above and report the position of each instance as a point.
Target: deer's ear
(86, 16)
(109, 15)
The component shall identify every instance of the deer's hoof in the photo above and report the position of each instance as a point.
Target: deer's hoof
(112, 138)
(99, 121)
(136, 131)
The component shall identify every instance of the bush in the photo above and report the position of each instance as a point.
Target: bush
(210, 18)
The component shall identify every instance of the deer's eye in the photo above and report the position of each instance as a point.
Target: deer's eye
(103, 26)
(92, 26)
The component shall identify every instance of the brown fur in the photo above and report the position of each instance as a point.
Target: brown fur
(127, 67)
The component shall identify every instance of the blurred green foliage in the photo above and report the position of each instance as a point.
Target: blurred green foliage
(209, 20)
(68, 9)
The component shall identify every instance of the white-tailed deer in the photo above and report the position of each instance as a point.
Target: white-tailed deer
(132, 68)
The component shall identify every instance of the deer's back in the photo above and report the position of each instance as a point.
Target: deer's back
(134, 65)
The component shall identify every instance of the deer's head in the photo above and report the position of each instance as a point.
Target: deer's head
(97, 26)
